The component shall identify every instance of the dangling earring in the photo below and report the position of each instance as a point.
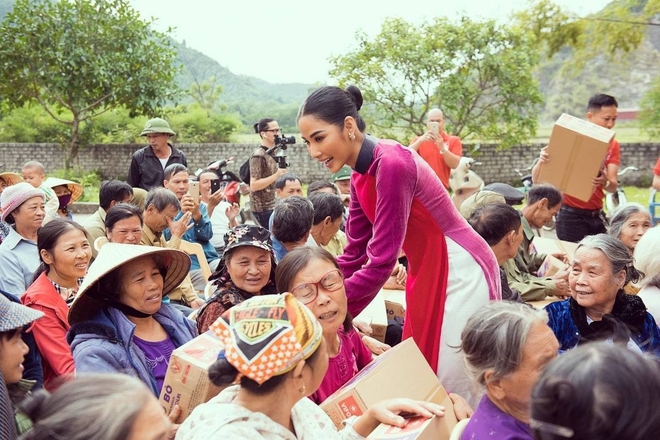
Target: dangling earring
(351, 136)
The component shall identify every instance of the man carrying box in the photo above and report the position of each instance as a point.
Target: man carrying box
(577, 219)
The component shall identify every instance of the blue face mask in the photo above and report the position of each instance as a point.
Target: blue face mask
(64, 200)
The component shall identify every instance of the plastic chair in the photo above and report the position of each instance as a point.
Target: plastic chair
(197, 250)
(654, 208)
(458, 430)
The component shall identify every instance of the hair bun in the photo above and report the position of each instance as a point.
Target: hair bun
(356, 95)
(222, 373)
(256, 127)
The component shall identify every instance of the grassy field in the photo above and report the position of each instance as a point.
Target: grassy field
(639, 195)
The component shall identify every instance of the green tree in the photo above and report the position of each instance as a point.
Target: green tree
(479, 73)
(206, 93)
(616, 35)
(84, 57)
(195, 124)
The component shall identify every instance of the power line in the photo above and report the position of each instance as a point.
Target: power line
(614, 20)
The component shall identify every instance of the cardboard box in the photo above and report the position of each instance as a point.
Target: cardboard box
(542, 245)
(399, 372)
(551, 265)
(577, 150)
(376, 316)
(187, 382)
(420, 428)
(395, 304)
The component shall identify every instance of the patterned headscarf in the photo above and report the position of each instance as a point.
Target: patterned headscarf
(267, 336)
(245, 235)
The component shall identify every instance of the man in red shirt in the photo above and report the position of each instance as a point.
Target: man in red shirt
(656, 175)
(576, 218)
(440, 150)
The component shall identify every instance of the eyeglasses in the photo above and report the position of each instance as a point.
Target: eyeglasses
(331, 281)
(274, 130)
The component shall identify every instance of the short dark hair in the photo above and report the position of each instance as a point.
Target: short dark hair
(494, 221)
(333, 104)
(9, 334)
(121, 211)
(321, 184)
(539, 192)
(292, 219)
(598, 390)
(173, 169)
(49, 235)
(262, 125)
(161, 198)
(326, 205)
(281, 181)
(601, 100)
(113, 191)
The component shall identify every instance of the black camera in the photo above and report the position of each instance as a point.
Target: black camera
(281, 160)
(283, 141)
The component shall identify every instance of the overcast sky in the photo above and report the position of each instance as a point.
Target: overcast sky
(291, 40)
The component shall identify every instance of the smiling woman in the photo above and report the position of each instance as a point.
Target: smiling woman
(246, 269)
(598, 308)
(65, 254)
(398, 202)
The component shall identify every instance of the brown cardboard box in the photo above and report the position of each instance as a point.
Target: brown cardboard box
(577, 149)
(399, 372)
(542, 245)
(187, 382)
(376, 316)
(395, 304)
(551, 265)
(419, 428)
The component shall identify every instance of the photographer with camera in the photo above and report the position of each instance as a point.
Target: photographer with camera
(265, 168)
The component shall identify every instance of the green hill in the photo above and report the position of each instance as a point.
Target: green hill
(252, 98)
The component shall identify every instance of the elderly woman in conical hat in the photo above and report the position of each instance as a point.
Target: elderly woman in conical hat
(118, 320)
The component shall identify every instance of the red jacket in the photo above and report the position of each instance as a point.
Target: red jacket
(50, 330)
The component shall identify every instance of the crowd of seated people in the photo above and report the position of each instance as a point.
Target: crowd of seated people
(82, 307)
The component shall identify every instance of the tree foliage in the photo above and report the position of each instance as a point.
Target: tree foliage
(479, 73)
(80, 58)
(192, 123)
(608, 37)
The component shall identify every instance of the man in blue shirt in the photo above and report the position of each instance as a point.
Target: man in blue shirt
(201, 231)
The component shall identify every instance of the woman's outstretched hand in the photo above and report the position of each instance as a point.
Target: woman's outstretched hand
(395, 412)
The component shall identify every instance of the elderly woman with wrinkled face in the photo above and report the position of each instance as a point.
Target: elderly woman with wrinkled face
(246, 269)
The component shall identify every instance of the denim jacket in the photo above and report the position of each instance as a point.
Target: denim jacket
(105, 343)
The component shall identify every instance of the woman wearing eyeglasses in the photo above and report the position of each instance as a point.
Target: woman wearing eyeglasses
(313, 276)
(264, 172)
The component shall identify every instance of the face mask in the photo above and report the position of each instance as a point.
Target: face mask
(64, 200)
